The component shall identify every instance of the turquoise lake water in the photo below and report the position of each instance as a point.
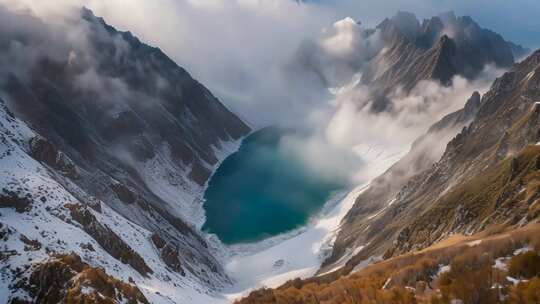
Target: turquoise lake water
(262, 191)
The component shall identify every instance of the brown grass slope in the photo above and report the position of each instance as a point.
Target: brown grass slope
(472, 278)
(66, 279)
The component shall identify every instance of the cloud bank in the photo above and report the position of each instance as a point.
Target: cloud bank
(247, 52)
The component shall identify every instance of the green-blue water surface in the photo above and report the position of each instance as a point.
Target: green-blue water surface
(262, 190)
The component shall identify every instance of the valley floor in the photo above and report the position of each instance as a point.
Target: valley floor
(299, 253)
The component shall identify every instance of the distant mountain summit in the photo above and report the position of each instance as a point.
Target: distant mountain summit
(519, 51)
(401, 51)
(439, 48)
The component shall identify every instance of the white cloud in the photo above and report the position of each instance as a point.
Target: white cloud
(345, 140)
(241, 50)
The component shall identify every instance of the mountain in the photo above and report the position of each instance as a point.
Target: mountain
(381, 195)
(400, 52)
(440, 48)
(459, 227)
(491, 158)
(374, 220)
(107, 146)
(443, 46)
(518, 50)
(439, 198)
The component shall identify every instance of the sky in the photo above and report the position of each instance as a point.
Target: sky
(517, 20)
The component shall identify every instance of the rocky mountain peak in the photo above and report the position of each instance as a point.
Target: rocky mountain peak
(473, 103)
(442, 47)
(407, 23)
(443, 63)
(466, 21)
(432, 29)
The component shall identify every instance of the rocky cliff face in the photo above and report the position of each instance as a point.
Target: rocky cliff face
(400, 52)
(106, 146)
(67, 279)
(486, 176)
(440, 48)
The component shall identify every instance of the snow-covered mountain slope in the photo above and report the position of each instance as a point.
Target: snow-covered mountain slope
(106, 148)
(38, 221)
(51, 216)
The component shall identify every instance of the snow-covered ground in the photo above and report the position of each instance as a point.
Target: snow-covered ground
(46, 223)
(296, 254)
(171, 184)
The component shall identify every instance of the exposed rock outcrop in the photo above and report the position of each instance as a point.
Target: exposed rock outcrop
(124, 193)
(44, 151)
(10, 199)
(67, 279)
(111, 242)
(169, 253)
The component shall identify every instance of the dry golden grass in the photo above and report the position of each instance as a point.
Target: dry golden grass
(67, 279)
(525, 265)
(412, 278)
